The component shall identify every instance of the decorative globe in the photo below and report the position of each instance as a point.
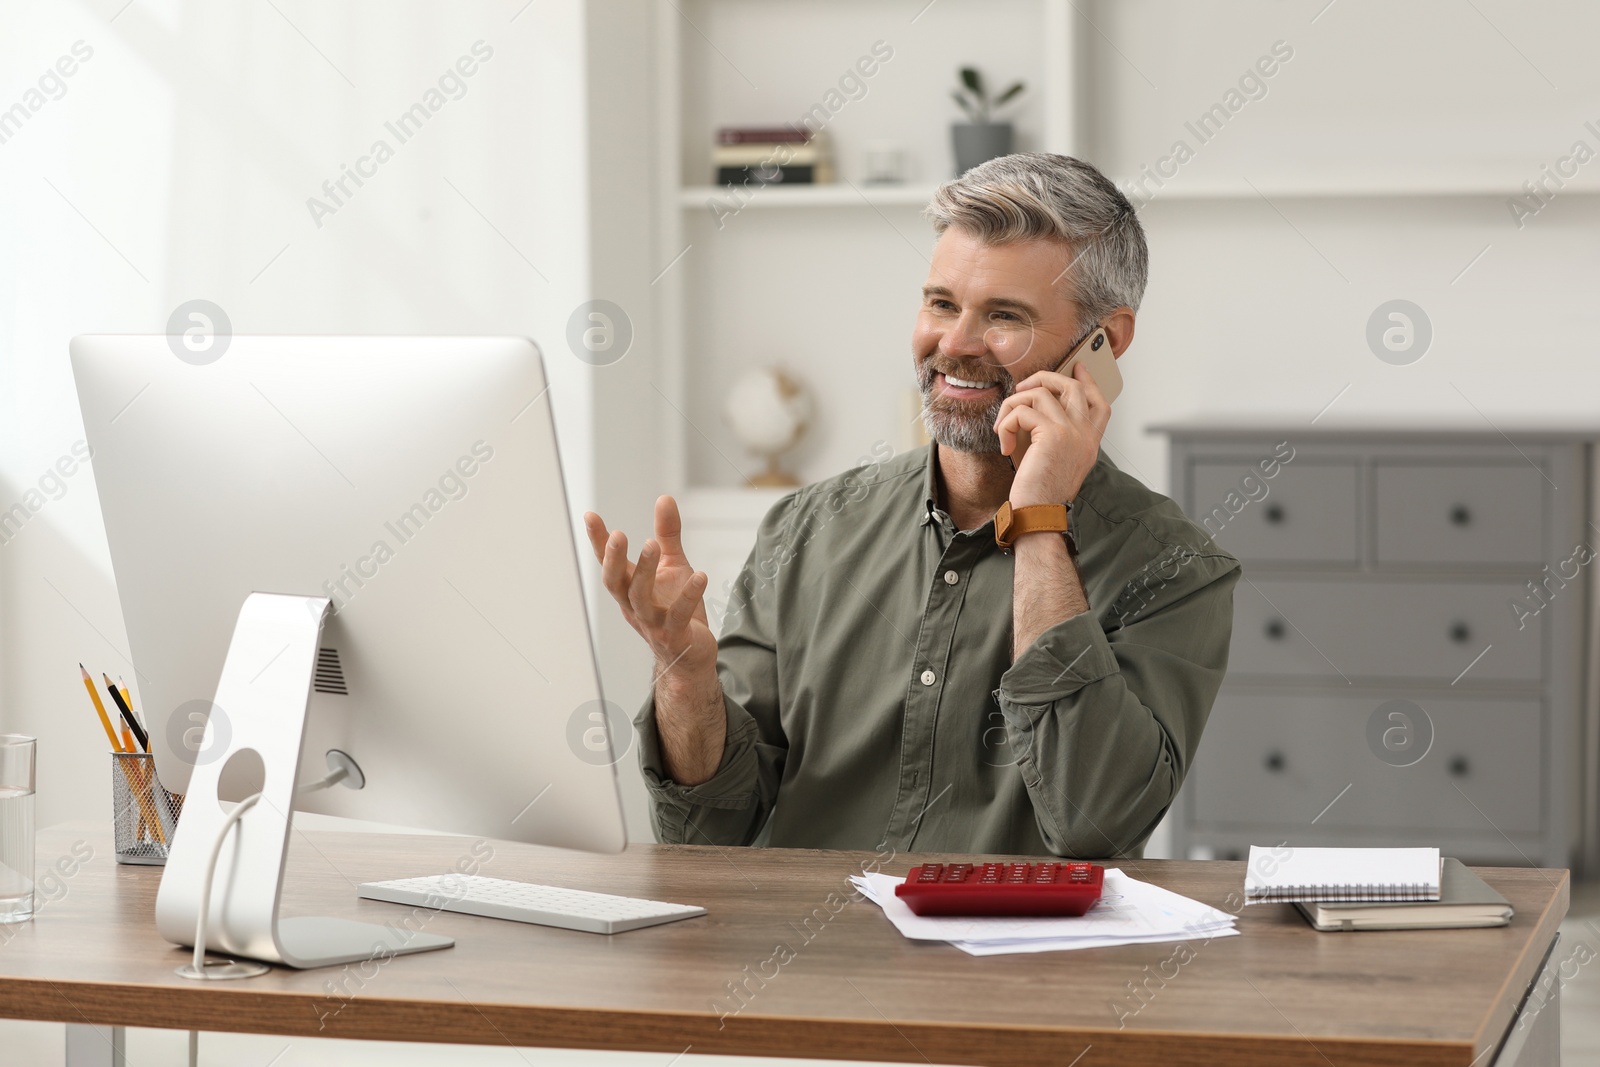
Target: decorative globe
(768, 412)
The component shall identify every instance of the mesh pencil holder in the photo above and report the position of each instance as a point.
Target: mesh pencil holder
(144, 815)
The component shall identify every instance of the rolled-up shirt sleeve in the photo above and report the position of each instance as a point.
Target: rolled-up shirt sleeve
(732, 806)
(1106, 721)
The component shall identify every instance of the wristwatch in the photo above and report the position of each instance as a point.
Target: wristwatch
(1011, 523)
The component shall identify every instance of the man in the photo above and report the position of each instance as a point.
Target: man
(890, 676)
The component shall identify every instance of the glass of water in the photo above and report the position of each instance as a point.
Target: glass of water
(16, 827)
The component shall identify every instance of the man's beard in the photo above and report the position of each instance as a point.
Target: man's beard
(957, 424)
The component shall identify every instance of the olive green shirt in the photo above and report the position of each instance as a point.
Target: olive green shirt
(872, 699)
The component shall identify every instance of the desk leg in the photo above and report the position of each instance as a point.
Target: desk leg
(96, 1046)
(1534, 1039)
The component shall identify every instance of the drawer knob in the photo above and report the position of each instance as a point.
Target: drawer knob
(1275, 630)
(1460, 633)
(1273, 513)
(1274, 762)
(1460, 515)
(1459, 767)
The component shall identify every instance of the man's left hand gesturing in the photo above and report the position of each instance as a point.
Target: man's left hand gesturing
(1066, 416)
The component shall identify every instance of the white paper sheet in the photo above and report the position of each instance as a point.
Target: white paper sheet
(1129, 912)
(1062, 944)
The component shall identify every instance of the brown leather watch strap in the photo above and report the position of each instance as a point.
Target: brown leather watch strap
(1011, 523)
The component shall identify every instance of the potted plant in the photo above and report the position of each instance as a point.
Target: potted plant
(980, 139)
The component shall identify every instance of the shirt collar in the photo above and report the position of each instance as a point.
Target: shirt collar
(930, 488)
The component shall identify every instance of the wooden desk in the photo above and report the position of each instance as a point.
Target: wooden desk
(820, 977)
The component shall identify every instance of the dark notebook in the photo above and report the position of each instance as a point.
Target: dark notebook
(1465, 900)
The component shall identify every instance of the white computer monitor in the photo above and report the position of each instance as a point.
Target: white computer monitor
(414, 482)
(351, 547)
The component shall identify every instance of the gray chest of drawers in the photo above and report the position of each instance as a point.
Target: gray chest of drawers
(1410, 641)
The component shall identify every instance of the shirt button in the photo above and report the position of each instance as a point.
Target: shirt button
(927, 678)
(951, 577)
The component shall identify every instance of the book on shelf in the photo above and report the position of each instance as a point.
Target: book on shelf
(748, 155)
(763, 135)
(780, 155)
(758, 175)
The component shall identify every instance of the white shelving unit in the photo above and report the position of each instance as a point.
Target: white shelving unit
(821, 279)
(840, 194)
(853, 252)
(833, 307)
(833, 194)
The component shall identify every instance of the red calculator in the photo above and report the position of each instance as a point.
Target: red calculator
(1002, 888)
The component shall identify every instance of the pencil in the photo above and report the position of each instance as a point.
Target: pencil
(127, 739)
(100, 708)
(128, 700)
(127, 715)
(141, 796)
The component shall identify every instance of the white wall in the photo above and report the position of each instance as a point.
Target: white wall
(189, 143)
(1258, 303)
(627, 413)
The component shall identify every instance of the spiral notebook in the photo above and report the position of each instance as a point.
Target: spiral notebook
(1356, 875)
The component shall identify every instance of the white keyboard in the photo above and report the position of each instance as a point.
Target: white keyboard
(524, 902)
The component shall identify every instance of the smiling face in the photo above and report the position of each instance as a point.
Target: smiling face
(991, 315)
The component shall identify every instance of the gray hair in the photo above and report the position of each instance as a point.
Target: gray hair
(1040, 194)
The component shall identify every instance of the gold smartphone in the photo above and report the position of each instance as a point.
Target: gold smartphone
(1094, 352)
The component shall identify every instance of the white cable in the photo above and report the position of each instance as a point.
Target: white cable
(205, 888)
(327, 781)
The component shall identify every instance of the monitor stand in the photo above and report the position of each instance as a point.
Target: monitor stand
(254, 735)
